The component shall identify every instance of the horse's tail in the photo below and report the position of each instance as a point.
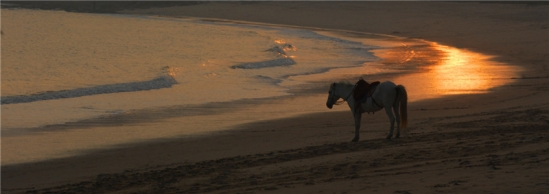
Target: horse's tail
(403, 98)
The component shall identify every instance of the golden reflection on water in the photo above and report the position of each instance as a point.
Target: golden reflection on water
(447, 71)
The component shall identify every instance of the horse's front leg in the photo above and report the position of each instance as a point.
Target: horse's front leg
(357, 116)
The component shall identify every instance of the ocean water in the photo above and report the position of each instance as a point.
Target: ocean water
(92, 65)
(74, 82)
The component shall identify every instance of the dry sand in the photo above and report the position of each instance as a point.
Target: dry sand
(484, 143)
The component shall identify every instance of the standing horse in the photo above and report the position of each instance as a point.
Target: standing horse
(387, 95)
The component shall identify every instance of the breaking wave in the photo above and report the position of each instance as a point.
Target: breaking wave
(283, 60)
(265, 64)
(157, 83)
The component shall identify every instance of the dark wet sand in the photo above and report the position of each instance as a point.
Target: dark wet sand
(490, 143)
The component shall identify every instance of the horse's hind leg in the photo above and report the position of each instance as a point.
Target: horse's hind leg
(357, 126)
(397, 116)
(389, 111)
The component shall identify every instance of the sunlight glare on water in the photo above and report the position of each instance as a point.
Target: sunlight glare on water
(455, 71)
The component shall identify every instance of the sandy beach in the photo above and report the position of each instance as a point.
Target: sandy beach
(496, 142)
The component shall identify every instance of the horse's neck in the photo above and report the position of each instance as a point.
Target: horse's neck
(345, 91)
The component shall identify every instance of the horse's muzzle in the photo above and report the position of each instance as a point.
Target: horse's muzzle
(329, 105)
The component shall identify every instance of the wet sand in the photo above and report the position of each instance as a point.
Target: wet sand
(480, 143)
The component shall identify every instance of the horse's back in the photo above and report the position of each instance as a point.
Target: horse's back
(385, 92)
(386, 87)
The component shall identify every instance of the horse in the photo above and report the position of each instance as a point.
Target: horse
(387, 95)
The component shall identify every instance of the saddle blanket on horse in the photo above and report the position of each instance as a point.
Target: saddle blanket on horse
(363, 90)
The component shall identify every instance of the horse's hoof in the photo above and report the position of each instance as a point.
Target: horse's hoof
(397, 136)
(354, 140)
(388, 137)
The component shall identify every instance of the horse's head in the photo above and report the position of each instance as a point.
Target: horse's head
(332, 97)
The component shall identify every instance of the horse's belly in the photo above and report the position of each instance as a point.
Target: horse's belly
(370, 106)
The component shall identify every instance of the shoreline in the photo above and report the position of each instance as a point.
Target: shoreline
(389, 44)
(81, 135)
(324, 136)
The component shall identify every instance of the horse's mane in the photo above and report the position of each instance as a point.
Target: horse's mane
(344, 83)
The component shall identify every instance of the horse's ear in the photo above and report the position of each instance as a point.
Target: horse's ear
(333, 84)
